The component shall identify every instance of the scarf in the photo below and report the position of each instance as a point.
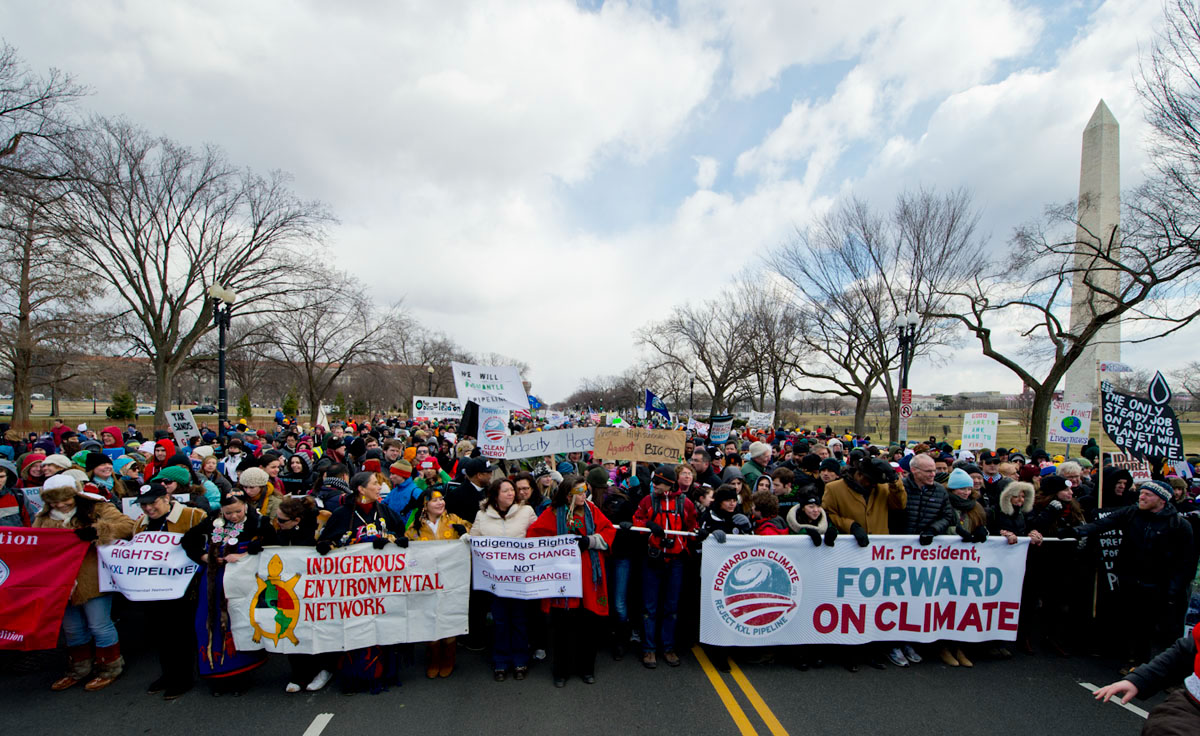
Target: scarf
(589, 528)
(105, 483)
(63, 516)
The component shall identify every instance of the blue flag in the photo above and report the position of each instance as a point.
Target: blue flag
(534, 402)
(654, 405)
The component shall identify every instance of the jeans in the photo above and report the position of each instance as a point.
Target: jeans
(661, 581)
(618, 587)
(510, 647)
(91, 621)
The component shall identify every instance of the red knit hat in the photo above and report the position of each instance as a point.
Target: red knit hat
(372, 465)
(402, 468)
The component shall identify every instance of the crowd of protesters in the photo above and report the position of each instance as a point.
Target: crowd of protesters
(234, 490)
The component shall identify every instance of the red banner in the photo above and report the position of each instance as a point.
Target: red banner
(38, 568)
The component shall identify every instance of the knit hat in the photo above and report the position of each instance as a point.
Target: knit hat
(372, 465)
(664, 475)
(80, 458)
(724, 494)
(402, 468)
(566, 467)
(830, 464)
(1052, 484)
(540, 469)
(59, 488)
(146, 448)
(121, 462)
(253, 478)
(1048, 470)
(202, 451)
(77, 474)
(1158, 488)
(758, 449)
(410, 454)
(730, 472)
(811, 462)
(959, 478)
(58, 460)
(95, 460)
(180, 474)
(597, 478)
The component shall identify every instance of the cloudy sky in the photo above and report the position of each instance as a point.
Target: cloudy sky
(540, 178)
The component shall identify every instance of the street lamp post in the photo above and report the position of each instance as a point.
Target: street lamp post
(691, 394)
(221, 296)
(93, 398)
(429, 388)
(906, 324)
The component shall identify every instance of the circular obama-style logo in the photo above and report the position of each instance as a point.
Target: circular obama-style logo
(759, 593)
(3, 572)
(493, 428)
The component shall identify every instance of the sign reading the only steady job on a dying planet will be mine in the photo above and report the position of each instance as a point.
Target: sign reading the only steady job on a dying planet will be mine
(639, 445)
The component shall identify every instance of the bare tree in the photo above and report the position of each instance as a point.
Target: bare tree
(160, 223)
(772, 341)
(34, 114)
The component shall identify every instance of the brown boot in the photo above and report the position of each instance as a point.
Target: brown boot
(433, 657)
(109, 665)
(79, 667)
(446, 666)
(962, 658)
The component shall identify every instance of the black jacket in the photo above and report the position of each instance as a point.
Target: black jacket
(1156, 547)
(463, 500)
(1171, 667)
(618, 507)
(928, 510)
(195, 540)
(344, 520)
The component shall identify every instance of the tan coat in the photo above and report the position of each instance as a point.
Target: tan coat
(111, 525)
(179, 519)
(845, 506)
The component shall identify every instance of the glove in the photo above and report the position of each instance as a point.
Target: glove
(656, 530)
(625, 526)
(981, 534)
(379, 542)
(1056, 505)
(87, 533)
(718, 535)
(742, 522)
(860, 534)
(401, 542)
(459, 529)
(702, 534)
(1069, 533)
(830, 535)
(584, 542)
(814, 535)
(254, 547)
(961, 531)
(926, 539)
(324, 546)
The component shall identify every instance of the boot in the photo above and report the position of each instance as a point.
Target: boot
(962, 658)
(433, 657)
(620, 640)
(79, 667)
(446, 661)
(947, 658)
(109, 665)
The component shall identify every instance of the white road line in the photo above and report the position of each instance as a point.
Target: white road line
(318, 725)
(1117, 701)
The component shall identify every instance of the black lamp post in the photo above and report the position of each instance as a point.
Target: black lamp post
(907, 326)
(226, 297)
(429, 388)
(691, 394)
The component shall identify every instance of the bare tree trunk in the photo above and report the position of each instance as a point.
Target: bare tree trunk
(22, 365)
(164, 379)
(861, 404)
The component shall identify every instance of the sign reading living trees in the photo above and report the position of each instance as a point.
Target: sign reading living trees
(1146, 428)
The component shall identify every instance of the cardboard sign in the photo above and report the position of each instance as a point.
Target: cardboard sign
(1144, 428)
(639, 445)
(1139, 469)
(538, 567)
(436, 407)
(979, 430)
(1070, 422)
(498, 386)
(183, 426)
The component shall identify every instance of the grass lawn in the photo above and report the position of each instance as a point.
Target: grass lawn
(77, 412)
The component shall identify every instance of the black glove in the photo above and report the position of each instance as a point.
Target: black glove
(625, 526)
(254, 547)
(324, 546)
(742, 522)
(1069, 533)
(87, 533)
(401, 542)
(981, 534)
(1056, 505)
(860, 534)
(702, 534)
(719, 535)
(831, 534)
(926, 539)
(814, 535)
(584, 542)
(379, 542)
(656, 530)
(963, 532)
(459, 529)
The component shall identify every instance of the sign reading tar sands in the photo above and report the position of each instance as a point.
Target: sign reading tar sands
(1145, 428)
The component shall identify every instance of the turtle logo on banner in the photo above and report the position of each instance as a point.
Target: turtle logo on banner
(757, 593)
(1145, 428)
(276, 601)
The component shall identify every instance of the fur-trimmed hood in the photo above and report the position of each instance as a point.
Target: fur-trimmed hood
(795, 519)
(1012, 489)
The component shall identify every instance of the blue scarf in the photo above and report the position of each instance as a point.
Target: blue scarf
(589, 528)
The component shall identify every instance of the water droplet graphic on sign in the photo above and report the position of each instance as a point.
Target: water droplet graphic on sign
(1159, 392)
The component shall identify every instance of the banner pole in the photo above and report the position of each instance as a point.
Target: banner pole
(1099, 483)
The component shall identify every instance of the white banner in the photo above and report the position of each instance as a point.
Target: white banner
(761, 419)
(758, 591)
(150, 567)
(700, 428)
(490, 385)
(536, 444)
(538, 567)
(720, 429)
(979, 430)
(493, 431)
(183, 426)
(1070, 422)
(295, 601)
(436, 407)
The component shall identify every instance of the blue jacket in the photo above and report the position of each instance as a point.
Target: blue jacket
(400, 498)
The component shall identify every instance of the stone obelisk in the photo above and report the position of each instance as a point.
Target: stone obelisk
(1099, 220)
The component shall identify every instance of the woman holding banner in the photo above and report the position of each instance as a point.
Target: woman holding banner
(1059, 570)
(87, 622)
(575, 620)
(431, 523)
(297, 523)
(224, 537)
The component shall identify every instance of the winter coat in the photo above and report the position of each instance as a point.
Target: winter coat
(1156, 547)
(14, 510)
(195, 541)
(463, 499)
(331, 493)
(153, 466)
(707, 478)
(220, 481)
(344, 520)
(595, 584)
(713, 518)
(992, 490)
(304, 534)
(267, 502)
(296, 484)
(618, 507)
(672, 511)
(773, 526)
(489, 523)
(969, 514)
(1169, 668)
(402, 498)
(846, 505)
(928, 509)
(1006, 518)
(179, 519)
(799, 522)
(110, 524)
(419, 531)
(752, 471)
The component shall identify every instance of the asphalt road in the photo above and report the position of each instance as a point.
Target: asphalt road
(1038, 694)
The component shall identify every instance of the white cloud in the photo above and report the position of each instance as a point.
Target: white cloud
(706, 171)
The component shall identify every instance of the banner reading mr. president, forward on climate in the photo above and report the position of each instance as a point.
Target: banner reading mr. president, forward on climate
(295, 601)
(783, 590)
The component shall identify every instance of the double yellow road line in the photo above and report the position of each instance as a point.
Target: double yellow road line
(730, 702)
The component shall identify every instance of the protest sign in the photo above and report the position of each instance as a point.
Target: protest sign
(979, 430)
(150, 567)
(33, 498)
(493, 431)
(498, 386)
(1139, 469)
(758, 591)
(1070, 422)
(183, 426)
(556, 418)
(428, 408)
(38, 568)
(700, 428)
(554, 442)
(720, 427)
(761, 419)
(539, 567)
(639, 445)
(1143, 428)
(295, 601)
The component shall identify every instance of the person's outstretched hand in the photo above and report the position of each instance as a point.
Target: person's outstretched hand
(1124, 688)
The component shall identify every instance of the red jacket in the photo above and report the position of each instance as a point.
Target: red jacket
(152, 465)
(670, 514)
(595, 595)
(770, 527)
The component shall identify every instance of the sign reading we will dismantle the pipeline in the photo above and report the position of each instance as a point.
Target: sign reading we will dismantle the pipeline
(760, 591)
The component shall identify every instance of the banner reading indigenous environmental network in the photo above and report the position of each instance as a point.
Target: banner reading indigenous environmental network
(783, 590)
(38, 568)
(150, 567)
(537, 567)
(295, 601)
